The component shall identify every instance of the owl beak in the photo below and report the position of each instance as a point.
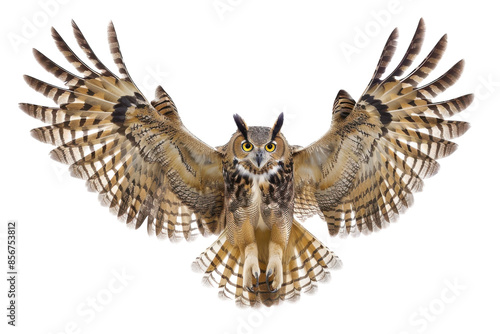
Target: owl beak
(258, 158)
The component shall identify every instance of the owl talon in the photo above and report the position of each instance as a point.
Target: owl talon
(251, 269)
(274, 267)
(255, 287)
(269, 273)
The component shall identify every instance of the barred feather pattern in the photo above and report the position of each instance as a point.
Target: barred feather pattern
(307, 261)
(146, 166)
(125, 147)
(361, 175)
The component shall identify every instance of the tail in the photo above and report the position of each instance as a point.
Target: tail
(306, 261)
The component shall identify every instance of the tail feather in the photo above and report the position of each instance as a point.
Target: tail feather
(306, 261)
(223, 268)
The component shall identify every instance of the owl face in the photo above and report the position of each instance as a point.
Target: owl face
(258, 149)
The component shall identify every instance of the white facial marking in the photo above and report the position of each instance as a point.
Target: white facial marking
(258, 178)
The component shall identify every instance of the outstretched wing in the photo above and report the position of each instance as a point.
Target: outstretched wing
(138, 156)
(361, 174)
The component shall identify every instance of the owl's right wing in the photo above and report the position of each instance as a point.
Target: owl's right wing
(362, 173)
(138, 156)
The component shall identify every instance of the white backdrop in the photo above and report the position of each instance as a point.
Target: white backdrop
(80, 271)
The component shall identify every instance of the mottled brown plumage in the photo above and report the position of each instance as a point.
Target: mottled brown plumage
(146, 166)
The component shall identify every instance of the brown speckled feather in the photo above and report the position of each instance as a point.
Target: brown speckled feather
(138, 156)
(362, 173)
(147, 167)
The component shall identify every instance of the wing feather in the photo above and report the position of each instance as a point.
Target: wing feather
(138, 156)
(363, 172)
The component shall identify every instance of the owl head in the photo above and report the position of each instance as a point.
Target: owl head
(257, 149)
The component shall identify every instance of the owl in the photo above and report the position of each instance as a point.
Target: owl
(251, 192)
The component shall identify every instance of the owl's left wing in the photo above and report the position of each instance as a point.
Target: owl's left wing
(361, 174)
(137, 155)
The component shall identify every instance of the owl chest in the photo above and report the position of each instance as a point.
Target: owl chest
(258, 198)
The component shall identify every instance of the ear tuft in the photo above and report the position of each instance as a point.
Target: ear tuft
(277, 126)
(240, 123)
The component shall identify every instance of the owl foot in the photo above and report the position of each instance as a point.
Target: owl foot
(274, 267)
(251, 268)
(269, 274)
(251, 287)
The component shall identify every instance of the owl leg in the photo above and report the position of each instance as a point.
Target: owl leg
(251, 267)
(275, 266)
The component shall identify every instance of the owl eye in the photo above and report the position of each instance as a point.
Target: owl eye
(270, 147)
(246, 146)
